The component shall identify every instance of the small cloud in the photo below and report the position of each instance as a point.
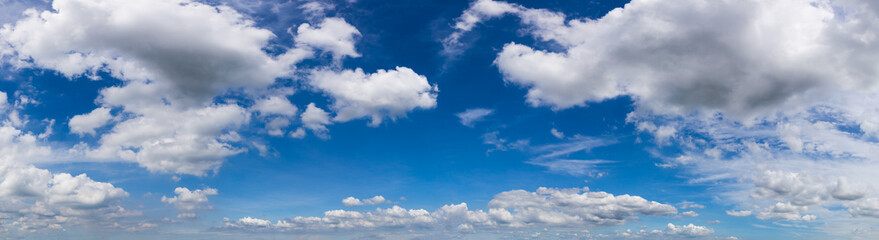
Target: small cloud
(558, 134)
(473, 115)
(352, 201)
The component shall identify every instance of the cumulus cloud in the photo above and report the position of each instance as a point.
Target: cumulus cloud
(688, 230)
(188, 202)
(470, 116)
(512, 209)
(333, 35)
(316, 120)
(739, 58)
(203, 49)
(803, 190)
(771, 100)
(165, 139)
(383, 94)
(169, 81)
(278, 105)
(352, 201)
(177, 59)
(34, 199)
(786, 211)
(86, 123)
(868, 207)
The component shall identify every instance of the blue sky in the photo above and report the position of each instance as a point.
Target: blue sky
(359, 119)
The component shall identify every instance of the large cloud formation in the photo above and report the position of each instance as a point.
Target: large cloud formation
(185, 65)
(738, 57)
(32, 198)
(772, 101)
(513, 209)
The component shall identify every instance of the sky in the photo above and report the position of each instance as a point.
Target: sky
(483, 119)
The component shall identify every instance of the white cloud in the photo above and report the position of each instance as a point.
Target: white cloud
(687, 205)
(316, 8)
(4, 100)
(769, 100)
(868, 207)
(276, 126)
(384, 94)
(786, 211)
(512, 209)
(759, 60)
(471, 116)
(316, 120)
(333, 35)
(352, 201)
(177, 58)
(803, 190)
(188, 202)
(688, 230)
(86, 123)
(203, 49)
(299, 133)
(164, 139)
(479, 11)
(34, 199)
(557, 134)
(689, 214)
(742, 213)
(278, 105)
(573, 167)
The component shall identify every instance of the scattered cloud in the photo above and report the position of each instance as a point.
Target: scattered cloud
(512, 209)
(383, 94)
(352, 201)
(188, 202)
(471, 116)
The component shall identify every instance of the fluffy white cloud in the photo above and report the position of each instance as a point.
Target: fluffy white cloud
(512, 209)
(576, 206)
(333, 35)
(868, 207)
(164, 139)
(188, 202)
(203, 50)
(178, 58)
(352, 201)
(470, 116)
(86, 123)
(741, 58)
(316, 120)
(383, 94)
(770, 100)
(35, 199)
(786, 211)
(688, 230)
(803, 190)
(278, 105)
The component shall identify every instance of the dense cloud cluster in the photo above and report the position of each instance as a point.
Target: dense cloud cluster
(741, 58)
(179, 58)
(33, 199)
(773, 101)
